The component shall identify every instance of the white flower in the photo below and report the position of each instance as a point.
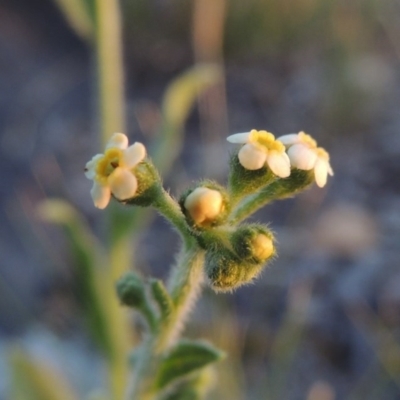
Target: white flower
(112, 172)
(204, 205)
(304, 154)
(261, 148)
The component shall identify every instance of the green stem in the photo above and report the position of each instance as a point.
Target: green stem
(298, 181)
(170, 209)
(184, 286)
(249, 207)
(110, 67)
(110, 81)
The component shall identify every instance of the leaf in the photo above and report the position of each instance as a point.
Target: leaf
(195, 388)
(177, 103)
(78, 15)
(35, 381)
(185, 358)
(162, 298)
(91, 279)
(182, 92)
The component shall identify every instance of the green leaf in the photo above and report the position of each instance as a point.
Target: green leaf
(185, 358)
(79, 17)
(91, 279)
(35, 381)
(177, 103)
(195, 388)
(162, 298)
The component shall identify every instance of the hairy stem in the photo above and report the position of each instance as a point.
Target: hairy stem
(170, 209)
(184, 286)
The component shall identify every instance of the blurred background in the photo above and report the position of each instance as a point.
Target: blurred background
(323, 321)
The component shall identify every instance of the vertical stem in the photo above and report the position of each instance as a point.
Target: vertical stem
(184, 286)
(112, 119)
(110, 68)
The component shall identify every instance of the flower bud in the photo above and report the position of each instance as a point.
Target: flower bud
(130, 290)
(226, 271)
(205, 206)
(253, 243)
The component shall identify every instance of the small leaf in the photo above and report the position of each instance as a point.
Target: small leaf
(78, 15)
(162, 298)
(186, 357)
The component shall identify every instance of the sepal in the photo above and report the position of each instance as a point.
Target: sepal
(149, 185)
(243, 182)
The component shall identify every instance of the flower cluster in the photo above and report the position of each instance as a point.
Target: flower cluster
(299, 150)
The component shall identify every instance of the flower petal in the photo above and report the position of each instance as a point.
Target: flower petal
(239, 137)
(279, 163)
(330, 170)
(123, 184)
(118, 140)
(321, 172)
(302, 157)
(133, 155)
(90, 168)
(252, 158)
(289, 139)
(101, 195)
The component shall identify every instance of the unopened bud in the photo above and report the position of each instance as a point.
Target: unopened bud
(226, 271)
(253, 243)
(205, 206)
(130, 290)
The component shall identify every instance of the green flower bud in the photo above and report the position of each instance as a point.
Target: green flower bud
(226, 271)
(131, 291)
(253, 243)
(206, 205)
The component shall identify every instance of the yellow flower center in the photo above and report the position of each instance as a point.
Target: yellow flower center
(266, 141)
(106, 165)
(305, 138)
